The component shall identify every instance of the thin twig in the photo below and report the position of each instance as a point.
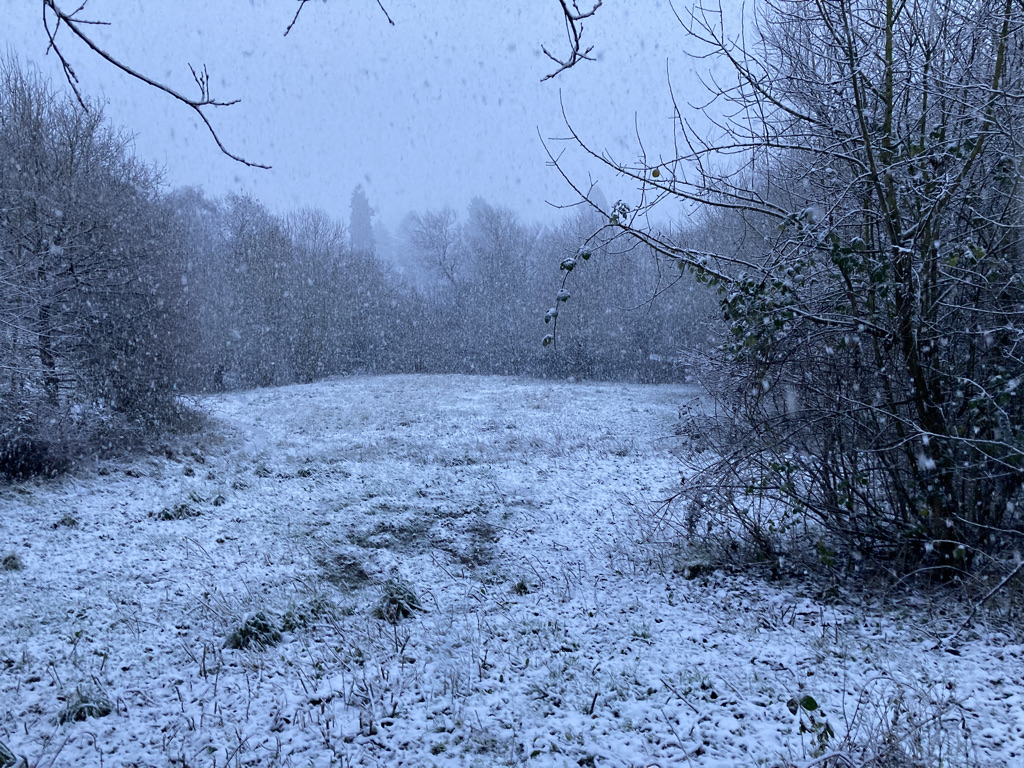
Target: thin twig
(978, 605)
(574, 31)
(295, 18)
(197, 105)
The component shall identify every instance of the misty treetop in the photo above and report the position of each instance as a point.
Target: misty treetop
(267, 300)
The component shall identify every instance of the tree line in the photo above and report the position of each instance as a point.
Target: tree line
(118, 295)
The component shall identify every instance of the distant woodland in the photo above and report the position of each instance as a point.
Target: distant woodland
(119, 295)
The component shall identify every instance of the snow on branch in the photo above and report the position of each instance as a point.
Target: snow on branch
(56, 18)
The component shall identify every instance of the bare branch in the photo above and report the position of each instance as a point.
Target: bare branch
(574, 18)
(571, 13)
(295, 18)
(75, 25)
(381, 6)
(302, 5)
(988, 596)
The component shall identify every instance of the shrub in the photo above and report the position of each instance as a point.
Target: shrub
(83, 704)
(256, 631)
(303, 616)
(867, 256)
(397, 601)
(7, 758)
(178, 512)
(22, 458)
(11, 562)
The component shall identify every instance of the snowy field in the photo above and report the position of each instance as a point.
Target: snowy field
(499, 514)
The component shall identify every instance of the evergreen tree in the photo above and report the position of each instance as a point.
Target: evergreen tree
(360, 228)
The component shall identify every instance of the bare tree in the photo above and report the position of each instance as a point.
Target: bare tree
(320, 290)
(437, 237)
(318, 233)
(870, 159)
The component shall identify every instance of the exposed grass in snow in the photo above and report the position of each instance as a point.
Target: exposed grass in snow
(444, 571)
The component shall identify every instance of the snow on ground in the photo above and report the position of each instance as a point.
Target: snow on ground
(545, 634)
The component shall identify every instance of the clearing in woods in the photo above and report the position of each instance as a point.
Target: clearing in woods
(446, 571)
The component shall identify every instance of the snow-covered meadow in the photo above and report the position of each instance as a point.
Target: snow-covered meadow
(543, 627)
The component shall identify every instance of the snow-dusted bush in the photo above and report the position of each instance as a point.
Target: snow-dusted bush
(84, 703)
(397, 601)
(257, 631)
(80, 244)
(865, 232)
(11, 562)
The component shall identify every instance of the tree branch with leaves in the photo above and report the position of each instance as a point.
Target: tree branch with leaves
(866, 155)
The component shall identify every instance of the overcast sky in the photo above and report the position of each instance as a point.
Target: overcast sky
(445, 105)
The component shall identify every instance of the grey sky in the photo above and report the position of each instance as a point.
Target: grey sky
(441, 107)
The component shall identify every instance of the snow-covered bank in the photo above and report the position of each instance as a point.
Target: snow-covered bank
(544, 634)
